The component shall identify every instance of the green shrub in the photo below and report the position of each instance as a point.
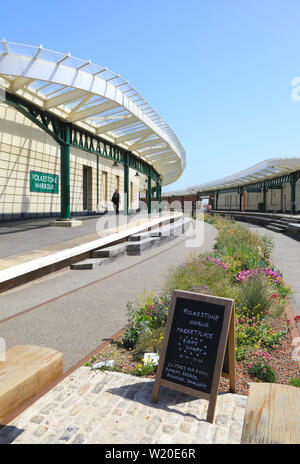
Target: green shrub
(295, 382)
(262, 371)
(150, 314)
(255, 296)
(247, 337)
(130, 337)
(149, 341)
(242, 352)
(243, 245)
(267, 247)
(200, 274)
(143, 370)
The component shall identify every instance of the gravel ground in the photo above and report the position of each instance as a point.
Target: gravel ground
(282, 361)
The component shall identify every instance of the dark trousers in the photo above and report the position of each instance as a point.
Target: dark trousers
(116, 205)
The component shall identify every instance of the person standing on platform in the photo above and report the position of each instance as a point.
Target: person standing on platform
(116, 200)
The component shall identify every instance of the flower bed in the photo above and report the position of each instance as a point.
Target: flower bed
(240, 269)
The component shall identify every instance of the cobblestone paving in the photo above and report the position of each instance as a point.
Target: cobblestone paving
(112, 408)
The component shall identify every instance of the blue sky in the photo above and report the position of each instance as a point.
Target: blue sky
(218, 71)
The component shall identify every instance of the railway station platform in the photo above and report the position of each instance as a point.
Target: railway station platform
(32, 249)
(288, 224)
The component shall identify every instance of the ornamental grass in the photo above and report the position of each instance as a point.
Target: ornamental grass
(239, 269)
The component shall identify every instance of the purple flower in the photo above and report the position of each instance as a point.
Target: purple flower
(269, 273)
(217, 261)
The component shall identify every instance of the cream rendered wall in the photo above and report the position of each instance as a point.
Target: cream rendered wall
(229, 201)
(25, 147)
(286, 197)
(298, 196)
(273, 200)
(253, 199)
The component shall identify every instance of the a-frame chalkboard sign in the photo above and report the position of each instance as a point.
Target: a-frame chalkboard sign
(198, 347)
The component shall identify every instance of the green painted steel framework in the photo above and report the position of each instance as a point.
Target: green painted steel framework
(261, 186)
(68, 135)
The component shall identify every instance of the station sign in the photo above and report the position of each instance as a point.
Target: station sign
(43, 182)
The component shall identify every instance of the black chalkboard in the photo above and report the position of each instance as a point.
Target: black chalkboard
(194, 340)
(198, 346)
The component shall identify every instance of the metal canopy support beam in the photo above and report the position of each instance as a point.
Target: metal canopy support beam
(264, 205)
(116, 125)
(63, 98)
(92, 110)
(149, 193)
(217, 198)
(126, 184)
(65, 175)
(293, 180)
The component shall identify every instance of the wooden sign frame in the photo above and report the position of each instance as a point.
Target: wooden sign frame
(226, 339)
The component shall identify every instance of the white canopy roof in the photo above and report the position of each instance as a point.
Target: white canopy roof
(94, 98)
(267, 169)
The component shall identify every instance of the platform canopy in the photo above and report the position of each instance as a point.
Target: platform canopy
(267, 169)
(94, 98)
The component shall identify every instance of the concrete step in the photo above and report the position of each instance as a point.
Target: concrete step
(174, 229)
(135, 248)
(138, 237)
(111, 251)
(91, 263)
(275, 228)
(279, 223)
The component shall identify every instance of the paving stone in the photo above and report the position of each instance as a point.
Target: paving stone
(68, 433)
(185, 428)
(169, 429)
(221, 419)
(145, 441)
(83, 389)
(48, 408)
(40, 431)
(172, 418)
(219, 435)
(49, 439)
(77, 409)
(203, 430)
(235, 432)
(79, 439)
(69, 403)
(165, 440)
(238, 414)
(99, 387)
(37, 419)
(181, 439)
(189, 418)
(92, 425)
(94, 412)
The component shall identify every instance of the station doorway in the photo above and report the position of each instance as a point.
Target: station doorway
(87, 188)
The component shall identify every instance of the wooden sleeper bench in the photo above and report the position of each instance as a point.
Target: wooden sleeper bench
(27, 370)
(272, 414)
